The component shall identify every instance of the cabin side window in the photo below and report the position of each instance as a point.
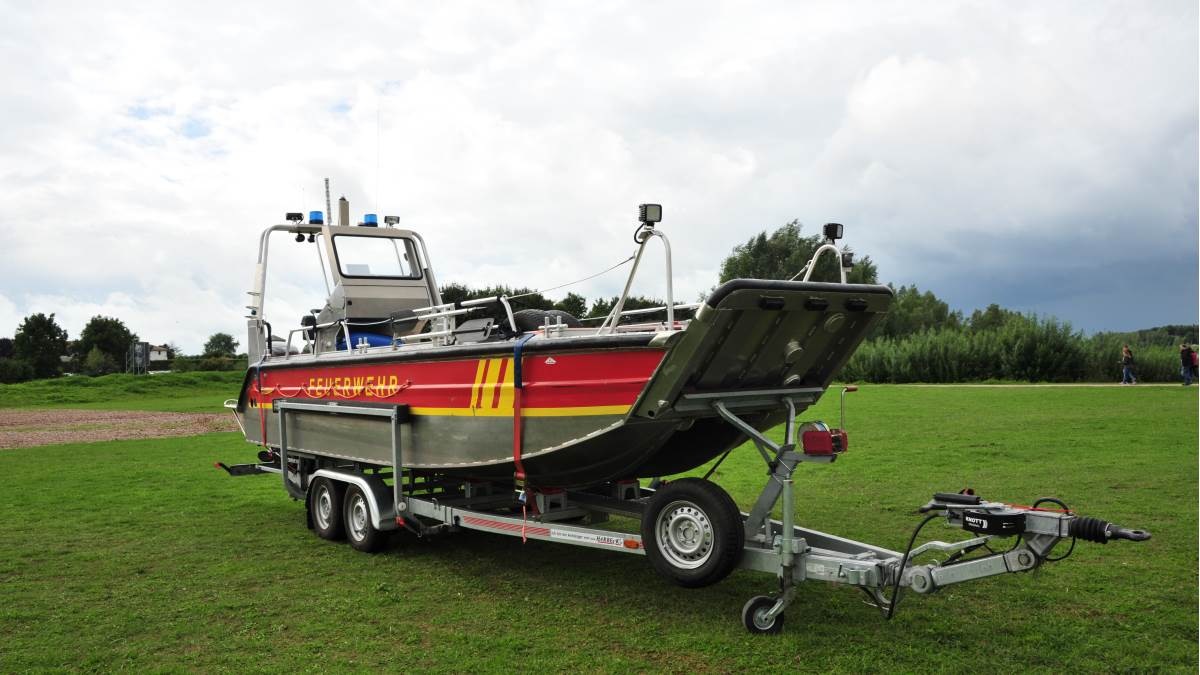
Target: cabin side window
(380, 257)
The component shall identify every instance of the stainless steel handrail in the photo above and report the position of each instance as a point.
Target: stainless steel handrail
(643, 235)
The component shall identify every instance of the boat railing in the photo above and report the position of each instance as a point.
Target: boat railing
(650, 310)
(501, 299)
(442, 319)
(642, 236)
(844, 258)
(313, 344)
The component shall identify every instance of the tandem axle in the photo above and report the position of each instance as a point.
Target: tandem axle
(690, 528)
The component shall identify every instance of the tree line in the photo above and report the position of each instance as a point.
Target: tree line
(41, 348)
(919, 340)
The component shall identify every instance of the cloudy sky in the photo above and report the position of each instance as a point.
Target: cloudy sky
(1040, 155)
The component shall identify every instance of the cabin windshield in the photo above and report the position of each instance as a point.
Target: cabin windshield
(376, 257)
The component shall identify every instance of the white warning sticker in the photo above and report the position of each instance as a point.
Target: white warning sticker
(586, 537)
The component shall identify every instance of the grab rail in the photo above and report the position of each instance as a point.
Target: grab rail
(316, 348)
(649, 310)
(807, 270)
(642, 236)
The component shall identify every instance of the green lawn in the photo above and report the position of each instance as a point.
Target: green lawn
(139, 555)
(175, 392)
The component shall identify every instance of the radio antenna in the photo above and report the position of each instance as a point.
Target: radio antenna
(328, 204)
(378, 108)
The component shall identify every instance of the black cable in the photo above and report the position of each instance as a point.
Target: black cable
(1071, 548)
(555, 288)
(955, 558)
(904, 562)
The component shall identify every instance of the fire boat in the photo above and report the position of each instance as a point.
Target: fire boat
(389, 409)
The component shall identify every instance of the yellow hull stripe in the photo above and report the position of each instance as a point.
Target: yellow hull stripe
(577, 411)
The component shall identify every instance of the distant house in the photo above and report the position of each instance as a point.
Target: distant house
(159, 353)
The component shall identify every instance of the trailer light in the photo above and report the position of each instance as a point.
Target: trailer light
(294, 217)
(632, 544)
(391, 220)
(370, 220)
(650, 213)
(316, 218)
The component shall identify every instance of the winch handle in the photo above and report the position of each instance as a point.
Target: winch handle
(845, 390)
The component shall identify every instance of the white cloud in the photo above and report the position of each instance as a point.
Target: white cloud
(144, 146)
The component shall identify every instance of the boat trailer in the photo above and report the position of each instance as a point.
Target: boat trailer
(690, 528)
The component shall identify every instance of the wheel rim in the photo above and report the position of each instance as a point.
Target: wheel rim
(761, 621)
(324, 511)
(358, 518)
(685, 535)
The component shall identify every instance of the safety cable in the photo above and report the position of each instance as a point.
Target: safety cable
(1067, 509)
(569, 283)
(903, 563)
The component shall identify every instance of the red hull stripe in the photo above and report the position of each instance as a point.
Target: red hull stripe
(532, 531)
(575, 383)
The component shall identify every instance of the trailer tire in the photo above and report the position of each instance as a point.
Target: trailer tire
(755, 622)
(528, 320)
(360, 530)
(325, 508)
(692, 532)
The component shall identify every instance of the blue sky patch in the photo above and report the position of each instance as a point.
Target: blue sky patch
(143, 111)
(195, 128)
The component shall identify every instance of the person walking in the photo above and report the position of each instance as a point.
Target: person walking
(1127, 366)
(1195, 362)
(1186, 362)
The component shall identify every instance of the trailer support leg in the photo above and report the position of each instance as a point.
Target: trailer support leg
(789, 548)
(398, 502)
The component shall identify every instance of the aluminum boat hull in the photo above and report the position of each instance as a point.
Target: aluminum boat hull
(591, 408)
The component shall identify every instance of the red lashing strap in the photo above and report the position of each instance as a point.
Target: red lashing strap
(517, 433)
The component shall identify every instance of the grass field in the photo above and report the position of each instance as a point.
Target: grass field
(139, 555)
(175, 392)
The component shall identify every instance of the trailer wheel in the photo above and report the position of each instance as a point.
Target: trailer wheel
(325, 507)
(692, 532)
(755, 619)
(360, 531)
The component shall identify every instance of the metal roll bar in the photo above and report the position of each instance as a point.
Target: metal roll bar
(642, 236)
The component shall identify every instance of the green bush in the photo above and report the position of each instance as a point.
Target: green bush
(1019, 348)
(189, 364)
(99, 363)
(15, 370)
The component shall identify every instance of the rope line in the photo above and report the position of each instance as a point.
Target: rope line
(570, 283)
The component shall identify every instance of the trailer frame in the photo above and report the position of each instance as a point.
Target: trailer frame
(428, 504)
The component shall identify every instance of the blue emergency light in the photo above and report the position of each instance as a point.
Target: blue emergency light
(370, 220)
(316, 218)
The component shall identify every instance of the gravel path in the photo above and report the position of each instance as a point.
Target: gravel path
(26, 428)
